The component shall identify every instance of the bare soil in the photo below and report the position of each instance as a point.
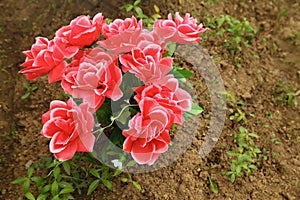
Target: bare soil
(271, 60)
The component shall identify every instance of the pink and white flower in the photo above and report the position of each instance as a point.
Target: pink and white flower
(70, 128)
(47, 57)
(125, 41)
(119, 26)
(146, 62)
(98, 77)
(148, 133)
(180, 30)
(167, 93)
(82, 31)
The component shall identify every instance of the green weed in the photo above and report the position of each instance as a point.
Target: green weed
(246, 155)
(140, 14)
(212, 185)
(295, 38)
(236, 109)
(62, 179)
(284, 94)
(29, 90)
(236, 34)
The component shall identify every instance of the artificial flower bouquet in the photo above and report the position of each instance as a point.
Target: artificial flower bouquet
(118, 76)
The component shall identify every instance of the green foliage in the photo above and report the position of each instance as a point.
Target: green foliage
(195, 110)
(139, 14)
(213, 185)
(54, 6)
(29, 90)
(236, 34)
(129, 180)
(237, 115)
(104, 114)
(295, 38)
(245, 157)
(62, 179)
(284, 94)
(236, 109)
(181, 74)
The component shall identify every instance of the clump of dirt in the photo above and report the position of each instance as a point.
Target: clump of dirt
(270, 69)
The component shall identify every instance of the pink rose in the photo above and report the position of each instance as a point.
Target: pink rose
(82, 31)
(147, 62)
(98, 77)
(125, 41)
(119, 26)
(70, 128)
(148, 136)
(47, 57)
(69, 79)
(181, 30)
(167, 94)
(70, 74)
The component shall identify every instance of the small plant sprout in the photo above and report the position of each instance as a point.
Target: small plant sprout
(245, 157)
(295, 38)
(29, 90)
(212, 185)
(237, 34)
(284, 94)
(140, 14)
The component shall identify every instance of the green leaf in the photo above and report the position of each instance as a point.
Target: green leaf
(252, 167)
(26, 186)
(125, 180)
(128, 7)
(213, 186)
(34, 88)
(93, 186)
(66, 166)
(253, 135)
(64, 184)
(117, 172)
(232, 153)
(180, 73)
(42, 197)
(56, 172)
(242, 129)
(37, 179)
(125, 115)
(136, 2)
(137, 185)
(29, 196)
(19, 180)
(195, 110)
(104, 113)
(25, 96)
(139, 12)
(56, 197)
(46, 188)
(232, 178)
(131, 163)
(95, 173)
(68, 95)
(220, 32)
(67, 190)
(107, 183)
(220, 21)
(25, 85)
(129, 81)
(171, 47)
(54, 188)
(281, 14)
(30, 171)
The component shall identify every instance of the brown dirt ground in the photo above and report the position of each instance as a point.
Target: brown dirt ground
(277, 61)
